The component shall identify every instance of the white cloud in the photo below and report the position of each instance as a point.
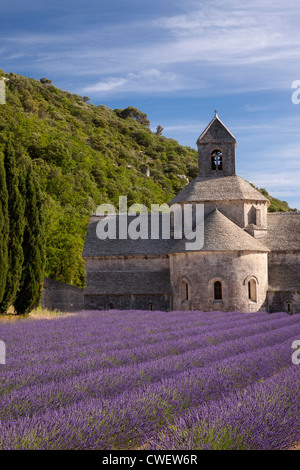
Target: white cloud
(152, 80)
(106, 85)
(247, 47)
(254, 109)
(246, 32)
(237, 45)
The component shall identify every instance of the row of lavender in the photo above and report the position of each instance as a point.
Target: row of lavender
(105, 380)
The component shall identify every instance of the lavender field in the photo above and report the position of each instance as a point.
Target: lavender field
(150, 380)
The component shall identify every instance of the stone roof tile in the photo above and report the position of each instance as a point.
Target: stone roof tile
(283, 231)
(93, 246)
(216, 132)
(222, 188)
(221, 234)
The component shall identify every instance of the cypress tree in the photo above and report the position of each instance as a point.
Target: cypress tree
(16, 229)
(41, 232)
(29, 294)
(4, 228)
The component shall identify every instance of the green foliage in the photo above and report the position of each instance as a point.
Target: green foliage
(134, 113)
(16, 229)
(4, 229)
(159, 130)
(275, 204)
(29, 293)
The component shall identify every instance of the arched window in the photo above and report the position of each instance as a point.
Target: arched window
(185, 295)
(252, 290)
(150, 305)
(218, 290)
(216, 160)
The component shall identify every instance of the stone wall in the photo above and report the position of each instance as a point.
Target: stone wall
(284, 301)
(156, 282)
(128, 302)
(135, 263)
(233, 269)
(284, 271)
(240, 212)
(284, 281)
(204, 159)
(60, 296)
(127, 282)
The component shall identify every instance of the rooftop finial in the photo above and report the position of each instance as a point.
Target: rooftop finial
(216, 113)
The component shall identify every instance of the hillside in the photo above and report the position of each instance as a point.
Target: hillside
(85, 155)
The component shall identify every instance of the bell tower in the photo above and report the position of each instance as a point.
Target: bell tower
(216, 150)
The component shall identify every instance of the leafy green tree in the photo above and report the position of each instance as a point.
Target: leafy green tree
(159, 130)
(29, 294)
(16, 229)
(64, 247)
(46, 81)
(4, 229)
(134, 113)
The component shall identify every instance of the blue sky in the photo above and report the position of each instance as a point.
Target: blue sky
(177, 62)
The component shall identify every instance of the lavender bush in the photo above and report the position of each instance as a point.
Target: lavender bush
(156, 380)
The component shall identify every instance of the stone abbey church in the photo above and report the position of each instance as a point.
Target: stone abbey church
(250, 260)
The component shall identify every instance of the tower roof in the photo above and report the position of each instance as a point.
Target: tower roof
(223, 188)
(216, 132)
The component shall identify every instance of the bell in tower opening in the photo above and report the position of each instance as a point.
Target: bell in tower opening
(216, 150)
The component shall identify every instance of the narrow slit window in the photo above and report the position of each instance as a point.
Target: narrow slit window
(289, 307)
(185, 290)
(252, 290)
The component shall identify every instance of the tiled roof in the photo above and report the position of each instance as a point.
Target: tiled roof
(222, 188)
(216, 131)
(93, 246)
(220, 234)
(283, 231)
